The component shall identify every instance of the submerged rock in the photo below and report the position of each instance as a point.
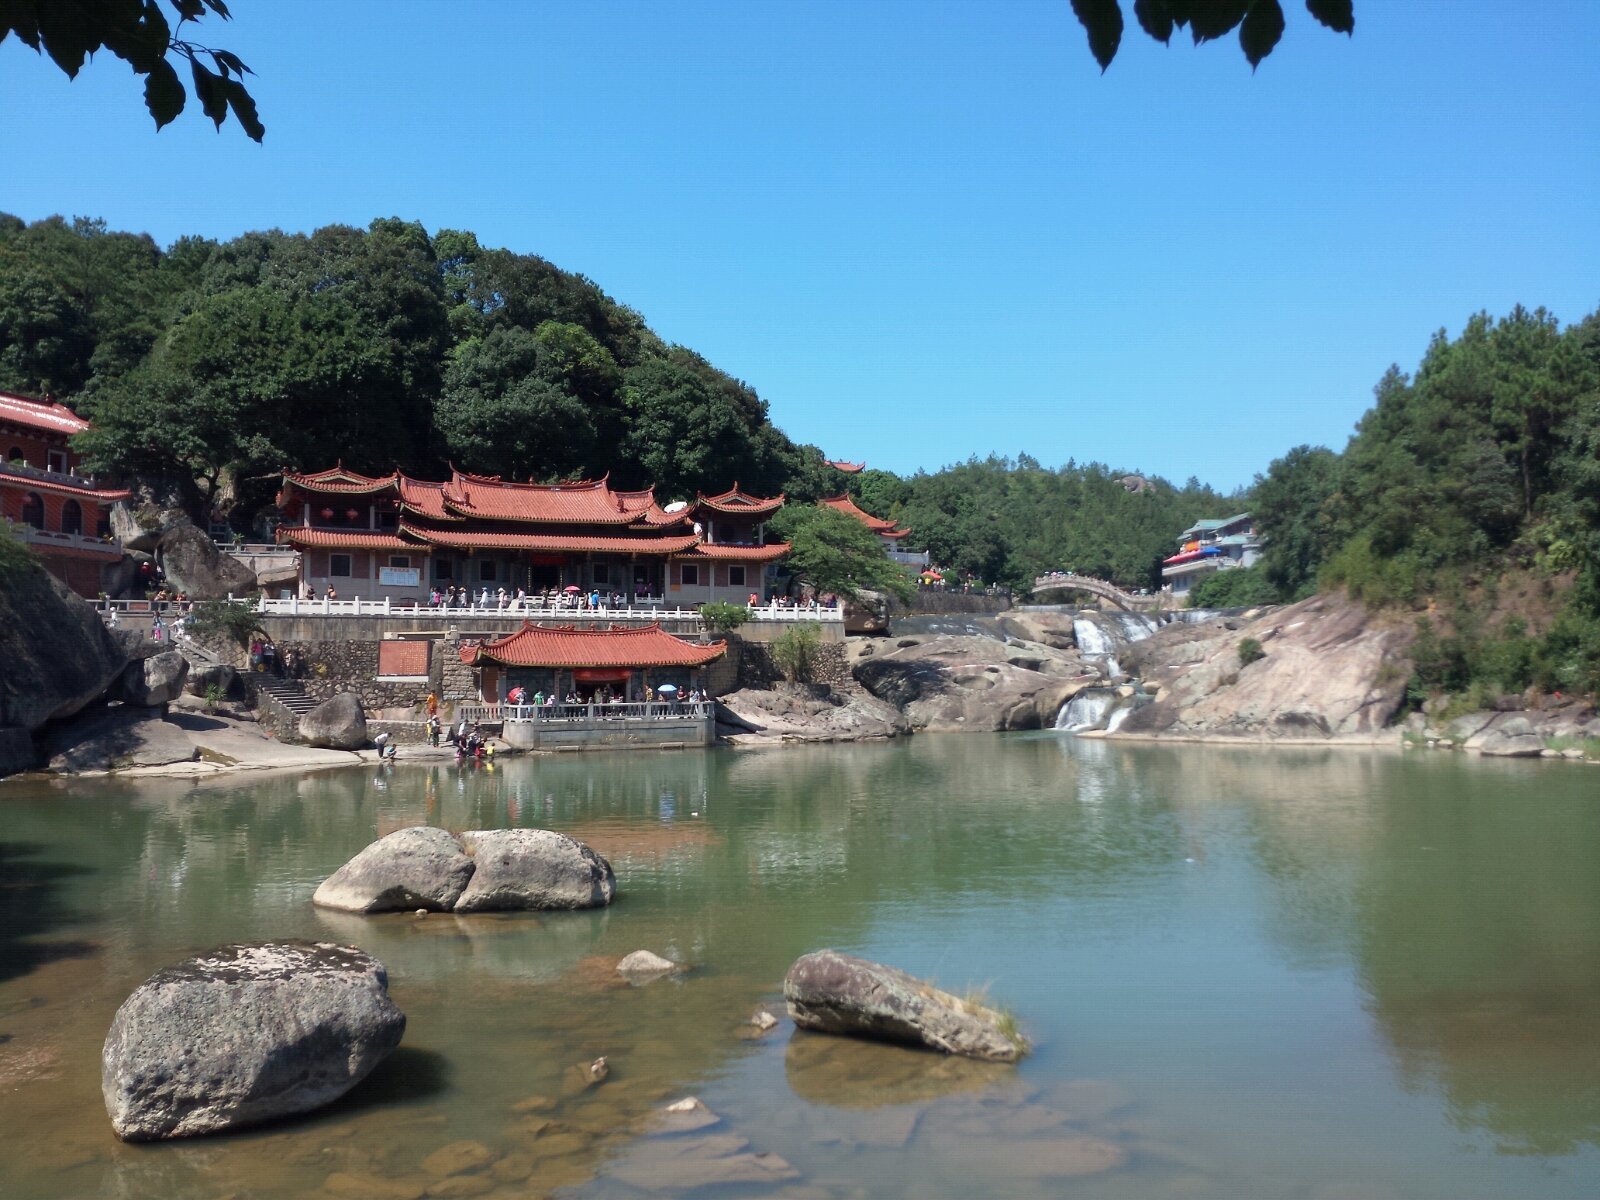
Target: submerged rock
(533, 869)
(416, 868)
(644, 967)
(244, 1034)
(336, 724)
(684, 1163)
(837, 993)
(485, 870)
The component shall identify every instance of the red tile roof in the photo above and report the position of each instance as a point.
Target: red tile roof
(339, 481)
(618, 543)
(30, 483)
(742, 503)
(588, 502)
(40, 414)
(346, 539)
(849, 468)
(723, 553)
(877, 524)
(568, 646)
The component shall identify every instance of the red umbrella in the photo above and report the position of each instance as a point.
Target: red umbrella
(572, 587)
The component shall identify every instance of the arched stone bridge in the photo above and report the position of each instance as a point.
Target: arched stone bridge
(1096, 587)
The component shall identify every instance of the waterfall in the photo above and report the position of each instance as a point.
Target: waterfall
(1118, 716)
(1092, 640)
(1085, 710)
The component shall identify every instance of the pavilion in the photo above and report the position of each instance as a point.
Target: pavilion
(562, 660)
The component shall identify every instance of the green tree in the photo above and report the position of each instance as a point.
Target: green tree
(1240, 587)
(1290, 504)
(138, 32)
(836, 553)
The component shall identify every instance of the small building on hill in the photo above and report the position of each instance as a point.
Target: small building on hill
(1209, 546)
(888, 532)
(61, 514)
(397, 537)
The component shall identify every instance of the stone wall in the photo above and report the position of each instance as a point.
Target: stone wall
(330, 668)
(928, 602)
(755, 668)
(405, 733)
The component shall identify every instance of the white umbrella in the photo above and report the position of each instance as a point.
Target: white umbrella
(665, 688)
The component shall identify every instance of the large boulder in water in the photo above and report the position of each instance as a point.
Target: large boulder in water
(193, 564)
(837, 993)
(485, 870)
(533, 869)
(155, 680)
(799, 712)
(420, 867)
(244, 1034)
(336, 724)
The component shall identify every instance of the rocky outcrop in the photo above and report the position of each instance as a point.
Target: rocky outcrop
(797, 712)
(972, 682)
(1513, 738)
(414, 868)
(485, 870)
(1330, 670)
(154, 680)
(115, 738)
(336, 724)
(533, 869)
(244, 1034)
(193, 564)
(55, 655)
(219, 676)
(837, 993)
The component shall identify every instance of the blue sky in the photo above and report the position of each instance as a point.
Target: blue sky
(921, 230)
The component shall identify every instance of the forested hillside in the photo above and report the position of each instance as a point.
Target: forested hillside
(222, 362)
(213, 365)
(1469, 493)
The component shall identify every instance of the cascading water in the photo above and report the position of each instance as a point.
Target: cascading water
(1086, 710)
(1096, 644)
(1118, 716)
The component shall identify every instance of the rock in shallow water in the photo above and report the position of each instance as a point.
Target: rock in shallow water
(644, 967)
(837, 993)
(533, 868)
(244, 1034)
(485, 870)
(414, 868)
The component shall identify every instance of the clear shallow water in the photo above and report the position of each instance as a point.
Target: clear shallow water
(1317, 973)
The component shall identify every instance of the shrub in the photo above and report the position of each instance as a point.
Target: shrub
(15, 557)
(1240, 587)
(794, 651)
(1250, 651)
(723, 618)
(236, 619)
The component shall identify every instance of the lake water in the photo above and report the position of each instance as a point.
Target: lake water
(1317, 974)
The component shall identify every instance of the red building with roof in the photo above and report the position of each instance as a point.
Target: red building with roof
(562, 659)
(63, 516)
(887, 530)
(397, 537)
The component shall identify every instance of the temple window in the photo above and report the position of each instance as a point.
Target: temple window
(399, 560)
(689, 574)
(339, 564)
(71, 517)
(736, 575)
(56, 460)
(33, 510)
(15, 455)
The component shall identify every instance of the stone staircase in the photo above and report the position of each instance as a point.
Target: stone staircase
(286, 692)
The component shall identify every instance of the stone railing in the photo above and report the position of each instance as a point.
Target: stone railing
(65, 478)
(531, 609)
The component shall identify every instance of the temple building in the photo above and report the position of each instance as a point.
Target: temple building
(1209, 546)
(63, 516)
(396, 537)
(887, 530)
(563, 660)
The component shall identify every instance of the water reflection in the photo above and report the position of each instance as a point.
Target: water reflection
(1291, 967)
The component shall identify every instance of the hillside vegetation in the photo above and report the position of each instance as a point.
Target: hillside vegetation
(1470, 494)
